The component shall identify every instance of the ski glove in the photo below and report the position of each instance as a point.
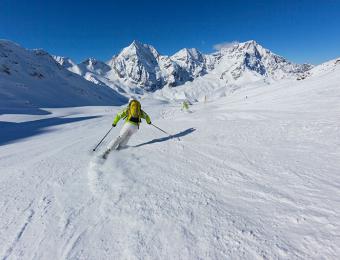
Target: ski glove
(113, 124)
(149, 122)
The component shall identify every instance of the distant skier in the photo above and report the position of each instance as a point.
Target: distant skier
(132, 114)
(185, 106)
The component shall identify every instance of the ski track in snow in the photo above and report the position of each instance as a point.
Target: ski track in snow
(247, 180)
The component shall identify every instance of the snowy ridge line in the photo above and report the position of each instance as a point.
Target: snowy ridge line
(139, 68)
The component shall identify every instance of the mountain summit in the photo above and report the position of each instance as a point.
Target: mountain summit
(138, 64)
(250, 59)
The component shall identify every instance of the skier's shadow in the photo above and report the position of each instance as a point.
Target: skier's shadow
(163, 139)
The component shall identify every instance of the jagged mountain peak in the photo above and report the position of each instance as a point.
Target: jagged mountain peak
(188, 53)
(246, 47)
(65, 62)
(137, 44)
(258, 62)
(192, 61)
(139, 64)
(139, 49)
(253, 47)
(249, 44)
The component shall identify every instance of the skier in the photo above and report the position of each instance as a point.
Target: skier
(185, 106)
(132, 114)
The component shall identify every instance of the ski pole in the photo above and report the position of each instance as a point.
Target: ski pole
(164, 131)
(102, 139)
(161, 130)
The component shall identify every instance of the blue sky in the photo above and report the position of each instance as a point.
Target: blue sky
(301, 30)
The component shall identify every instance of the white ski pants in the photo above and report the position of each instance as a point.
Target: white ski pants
(125, 134)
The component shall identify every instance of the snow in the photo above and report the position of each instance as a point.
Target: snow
(255, 175)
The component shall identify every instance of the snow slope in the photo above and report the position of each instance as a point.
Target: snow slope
(31, 79)
(250, 178)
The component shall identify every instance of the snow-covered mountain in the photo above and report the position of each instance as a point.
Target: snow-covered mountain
(321, 69)
(193, 61)
(219, 83)
(85, 68)
(32, 78)
(249, 61)
(94, 66)
(66, 62)
(138, 64)
(141, 68)
(142, 65)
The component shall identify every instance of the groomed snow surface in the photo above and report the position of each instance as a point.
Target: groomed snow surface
(254, 175)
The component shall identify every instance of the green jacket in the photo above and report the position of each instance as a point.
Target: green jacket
(123, 114)
(185, 105)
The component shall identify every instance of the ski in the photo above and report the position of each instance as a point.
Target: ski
(105, 154)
